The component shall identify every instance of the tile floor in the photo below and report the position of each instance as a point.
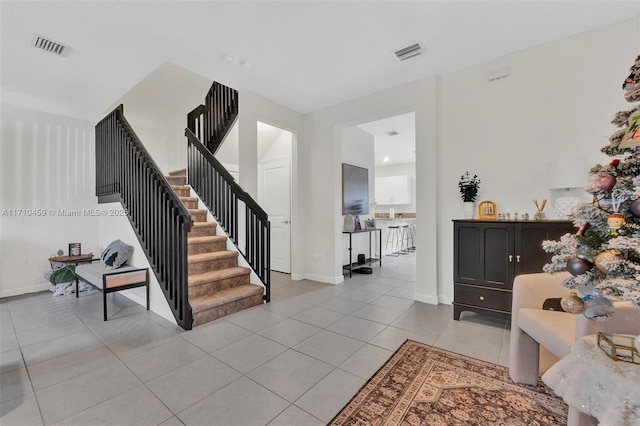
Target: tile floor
(295, 361)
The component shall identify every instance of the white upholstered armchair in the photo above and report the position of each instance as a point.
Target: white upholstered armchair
(556, 331)
(531, 326)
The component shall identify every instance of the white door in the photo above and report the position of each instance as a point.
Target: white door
(274, 196)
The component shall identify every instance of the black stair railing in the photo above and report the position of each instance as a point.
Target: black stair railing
(211, 122)
(125, 172)
(222, 195)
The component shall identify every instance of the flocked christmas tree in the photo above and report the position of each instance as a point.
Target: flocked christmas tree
(605, 251)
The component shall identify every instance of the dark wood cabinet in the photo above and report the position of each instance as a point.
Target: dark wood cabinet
(488, 255)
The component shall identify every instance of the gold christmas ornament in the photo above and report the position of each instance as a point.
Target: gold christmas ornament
(572, 303)
(606, 256)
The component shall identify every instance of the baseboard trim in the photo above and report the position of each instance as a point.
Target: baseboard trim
(25, 290)
(426, 298)
(445, 300)
(297, 277)
(322, 278)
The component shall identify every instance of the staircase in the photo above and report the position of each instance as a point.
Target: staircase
(217, 285)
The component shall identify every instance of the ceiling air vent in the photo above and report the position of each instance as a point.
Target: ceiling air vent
(408, 52)
(49, 45)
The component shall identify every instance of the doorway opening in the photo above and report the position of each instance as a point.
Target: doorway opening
(275, 151)
(387, 148)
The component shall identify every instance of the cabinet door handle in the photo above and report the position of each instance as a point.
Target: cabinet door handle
(510, 258)
(481, 297)
(518, 258)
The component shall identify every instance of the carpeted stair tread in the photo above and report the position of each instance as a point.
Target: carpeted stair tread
(222, 274)
(198, 215)
(176, 180)
(179, 172)
(202, 229)
(214, 255)
(204, 225)
(203, 240)
(230, 295)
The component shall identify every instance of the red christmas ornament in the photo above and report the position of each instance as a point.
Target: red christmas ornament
(614, 163)
(606, 183)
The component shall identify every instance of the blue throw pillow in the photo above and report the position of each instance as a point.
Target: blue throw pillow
(116, 254)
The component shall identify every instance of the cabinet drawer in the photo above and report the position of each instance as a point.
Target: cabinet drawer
(482, 297)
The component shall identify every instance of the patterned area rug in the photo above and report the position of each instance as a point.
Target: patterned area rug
(423, 385)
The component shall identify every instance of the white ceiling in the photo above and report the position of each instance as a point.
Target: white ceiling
(303, 54)
(400, 148)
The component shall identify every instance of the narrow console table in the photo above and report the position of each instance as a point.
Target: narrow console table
(368, 261)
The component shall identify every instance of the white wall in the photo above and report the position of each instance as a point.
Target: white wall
(157, 109)
(46, 163)
(252, 109)
(228, 153)
(557, 103)
(358, 150)
(404, 169)
(281, 147)
(323, 190)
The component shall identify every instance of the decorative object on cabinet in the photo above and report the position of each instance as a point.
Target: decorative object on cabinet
(468, 187)
(487, 210)
(564, 176)
(468, 209)
(369, 224)
(540, 215)
(489, 255)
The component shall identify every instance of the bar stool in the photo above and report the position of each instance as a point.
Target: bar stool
(406, 239)
(393, 236)
(411, 231)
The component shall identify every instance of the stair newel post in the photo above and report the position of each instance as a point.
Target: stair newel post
(267, 270)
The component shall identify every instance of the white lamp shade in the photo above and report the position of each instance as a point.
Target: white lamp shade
(567, 173)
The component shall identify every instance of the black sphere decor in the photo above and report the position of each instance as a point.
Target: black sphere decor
(578, 266)
(634, 208)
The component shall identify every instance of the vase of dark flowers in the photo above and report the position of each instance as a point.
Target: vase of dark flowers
(468, 186)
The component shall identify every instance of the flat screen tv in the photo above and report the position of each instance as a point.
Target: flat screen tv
(355, 189)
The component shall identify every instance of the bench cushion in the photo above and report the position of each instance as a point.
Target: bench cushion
(555, 329)
(93, 272)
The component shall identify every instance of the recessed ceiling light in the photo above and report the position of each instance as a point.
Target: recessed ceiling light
(385, 159)
(392, 133)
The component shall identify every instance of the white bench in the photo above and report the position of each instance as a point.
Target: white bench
(112, 280)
